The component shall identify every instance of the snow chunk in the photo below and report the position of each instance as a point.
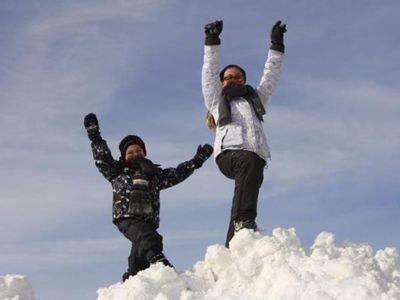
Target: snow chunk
(260, 266)
(15, 287)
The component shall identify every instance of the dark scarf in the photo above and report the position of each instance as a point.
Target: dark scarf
(234, 92)
(143, 166)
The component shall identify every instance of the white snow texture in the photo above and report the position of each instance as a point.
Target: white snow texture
(15, 287)
(272, 267)
(259, 266)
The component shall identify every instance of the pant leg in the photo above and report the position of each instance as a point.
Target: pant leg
(144, 237)
(246, 168)
(225, 165)
(135, 262)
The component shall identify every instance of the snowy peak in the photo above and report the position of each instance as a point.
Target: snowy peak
(261, 266)
(15, 287)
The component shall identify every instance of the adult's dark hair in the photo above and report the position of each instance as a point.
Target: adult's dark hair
(221, 74)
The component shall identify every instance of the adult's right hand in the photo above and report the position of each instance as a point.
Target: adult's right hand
(212, 31)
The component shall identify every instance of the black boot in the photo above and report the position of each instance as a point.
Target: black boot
(132, 271)
(249, 224)
(126, 275)
(154, 257)
(160, 258)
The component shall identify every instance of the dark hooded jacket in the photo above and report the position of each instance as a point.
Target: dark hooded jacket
(137, 184)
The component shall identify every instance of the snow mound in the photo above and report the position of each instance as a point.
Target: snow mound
(15, 287)
(272, 267)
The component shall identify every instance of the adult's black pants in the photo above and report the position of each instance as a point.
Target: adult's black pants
(246, 168)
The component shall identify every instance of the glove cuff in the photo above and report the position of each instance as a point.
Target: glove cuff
(197, 162)
(212, 40)
(94, 136)
(278, 47)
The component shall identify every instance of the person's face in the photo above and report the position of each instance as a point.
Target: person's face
(232, 76)
(133, 152)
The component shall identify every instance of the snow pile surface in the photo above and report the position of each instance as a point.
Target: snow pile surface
(15, 287)
(272, 267)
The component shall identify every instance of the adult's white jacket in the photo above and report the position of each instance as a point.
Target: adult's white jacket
(245, 132)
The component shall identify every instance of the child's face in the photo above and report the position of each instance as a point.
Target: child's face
(134, 151)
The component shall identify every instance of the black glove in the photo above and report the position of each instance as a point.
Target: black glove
(277, 32)
(92, 127)
(213, 30)
(202, 154)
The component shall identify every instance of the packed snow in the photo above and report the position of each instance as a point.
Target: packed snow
(15, 287)
(259, 266)
(275, 267)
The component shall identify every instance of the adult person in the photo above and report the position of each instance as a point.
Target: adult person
(236, 111)
(136, 183)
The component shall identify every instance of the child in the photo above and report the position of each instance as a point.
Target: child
(136, 184)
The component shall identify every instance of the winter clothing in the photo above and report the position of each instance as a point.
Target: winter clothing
(202, 154)
(245, 132)
(136, 201)
(136, 196)
(125, 178)
(130, 140)
(240, 146)
(147, 245)
(231, 93)
(246, 168)
(144, 238)
(212, 31)
(92, 127)
(277, 32)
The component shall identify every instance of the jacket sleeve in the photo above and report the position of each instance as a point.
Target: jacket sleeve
(104, 161)
(270, 77)
(210, 83)
(173, 176)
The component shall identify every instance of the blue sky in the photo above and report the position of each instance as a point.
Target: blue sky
(332, 126)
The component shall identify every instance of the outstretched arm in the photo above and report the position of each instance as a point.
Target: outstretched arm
(210, 82)
(101, 153)
(273, 65)
(173, 176)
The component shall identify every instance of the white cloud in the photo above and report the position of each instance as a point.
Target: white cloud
(78, 12)
(68, 58)
(74, 58)
(334, 126)
(70, 62)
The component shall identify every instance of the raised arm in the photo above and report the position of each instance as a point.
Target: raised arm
(210, 82)
(273, 65)
(104, 161)
(173, 176)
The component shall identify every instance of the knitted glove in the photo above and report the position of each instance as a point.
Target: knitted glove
(277, 32)
(213, 30)
(92, 127)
